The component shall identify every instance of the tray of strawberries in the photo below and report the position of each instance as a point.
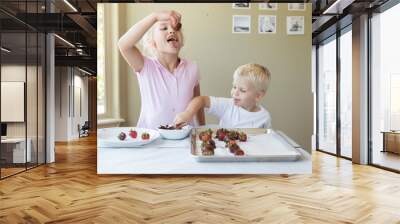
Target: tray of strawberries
(245, 144)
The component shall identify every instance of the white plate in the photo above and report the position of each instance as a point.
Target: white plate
(175, 134)
(108, 137)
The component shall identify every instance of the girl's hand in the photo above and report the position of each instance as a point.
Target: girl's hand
(172, 16)
(182, 118)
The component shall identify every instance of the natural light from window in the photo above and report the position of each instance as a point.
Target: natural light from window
(327, 97)
(101, 100)
(385, 83)
(346, 94)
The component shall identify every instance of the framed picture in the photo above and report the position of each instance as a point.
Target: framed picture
(241, 24)
(241, 5)
(268, 6)
(295, 25)
(266, 24)
(296, 6)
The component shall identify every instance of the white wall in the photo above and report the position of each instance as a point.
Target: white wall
(33, 127)
(61, 103)
(80, 103)
(209, 41)
(69, 85)
(17, 73)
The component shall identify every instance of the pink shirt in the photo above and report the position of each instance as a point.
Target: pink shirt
(164, 94)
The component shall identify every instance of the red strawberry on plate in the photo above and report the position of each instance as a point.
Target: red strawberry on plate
(221, 136)
(133, 133)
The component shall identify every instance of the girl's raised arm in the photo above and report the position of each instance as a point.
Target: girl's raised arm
(127, 43)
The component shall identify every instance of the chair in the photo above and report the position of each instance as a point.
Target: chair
(84, 130)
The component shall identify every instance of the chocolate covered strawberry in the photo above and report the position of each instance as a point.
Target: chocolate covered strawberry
(242, 137)
(239, 152)
(145, 136)
(233, 148)
(207, 147)
(205, 135)
(221, 133)
(233, 135)
(122, 136)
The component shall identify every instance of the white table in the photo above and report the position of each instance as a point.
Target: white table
(174, 157)
(19, 155)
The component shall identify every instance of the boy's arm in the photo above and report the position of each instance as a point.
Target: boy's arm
(194, 106)
(127, 43)
(200, 114)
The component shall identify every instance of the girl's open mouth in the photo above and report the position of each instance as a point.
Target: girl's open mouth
(173, 42)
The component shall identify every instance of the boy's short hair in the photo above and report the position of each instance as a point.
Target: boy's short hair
(257, 74)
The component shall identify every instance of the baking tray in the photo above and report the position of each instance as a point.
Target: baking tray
(262, 145)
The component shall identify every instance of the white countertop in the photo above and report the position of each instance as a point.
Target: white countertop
(174, 157)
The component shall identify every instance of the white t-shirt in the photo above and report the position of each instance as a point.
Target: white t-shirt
(232, 116)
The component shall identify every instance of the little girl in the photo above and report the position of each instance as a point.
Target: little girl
(167, 82)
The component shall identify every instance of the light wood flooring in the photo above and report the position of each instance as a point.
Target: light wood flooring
(387, 159)
(70, 191)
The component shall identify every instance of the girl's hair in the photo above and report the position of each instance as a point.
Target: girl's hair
(148, 49)
(255, 73)
(147, 40)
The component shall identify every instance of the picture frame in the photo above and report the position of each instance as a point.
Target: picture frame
(295, 25)
(241, 24)
(267, 24)
(296, 6)
(241, 5)
(268, 6)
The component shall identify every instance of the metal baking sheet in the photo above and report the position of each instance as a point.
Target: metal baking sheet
(262, 145)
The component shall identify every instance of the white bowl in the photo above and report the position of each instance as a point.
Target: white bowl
(175, 133)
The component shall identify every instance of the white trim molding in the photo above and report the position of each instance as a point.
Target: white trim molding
(109, 122)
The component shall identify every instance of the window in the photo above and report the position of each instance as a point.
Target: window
(394, 101)
(346, 94)
(327, 96)
(101, 85)
(22, 66)
(385, 85)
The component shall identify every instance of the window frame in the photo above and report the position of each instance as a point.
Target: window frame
(334, 37)
(379, 10)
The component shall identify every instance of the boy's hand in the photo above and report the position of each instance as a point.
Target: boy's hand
(172, 16)
(182, 118)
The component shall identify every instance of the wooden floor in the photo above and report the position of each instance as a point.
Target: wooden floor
(387, 159)
(70, 191)
(10, 171)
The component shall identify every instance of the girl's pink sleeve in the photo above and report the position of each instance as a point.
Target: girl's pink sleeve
(146, 66)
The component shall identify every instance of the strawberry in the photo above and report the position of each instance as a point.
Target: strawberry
(122, 136)
(239, 152)
(133, 133)
(205, 137)
(145, 136)
(221, 136)
(242, 137)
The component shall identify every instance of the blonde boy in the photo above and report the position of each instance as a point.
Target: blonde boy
(250, 83)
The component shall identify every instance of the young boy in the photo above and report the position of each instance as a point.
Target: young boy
(250, 82)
